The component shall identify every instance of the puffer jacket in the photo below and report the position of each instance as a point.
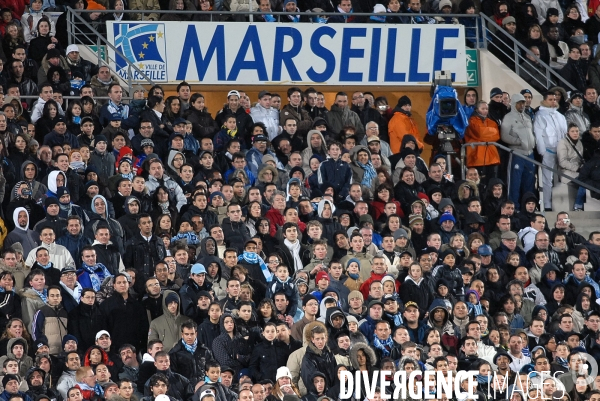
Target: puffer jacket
(402, 123)
(318, 360)
(52, 323)
(569, 157)
(482, 130)
(452, 275)
(517, 129)
(167, 327)
(266, 357)
(269, 117)
(175, 191)
(31, 303)
(338, 118)
(577, 116)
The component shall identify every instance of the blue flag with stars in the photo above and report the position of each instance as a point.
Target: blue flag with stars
(142, 44)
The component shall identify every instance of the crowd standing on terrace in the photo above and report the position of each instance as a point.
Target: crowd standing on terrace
(156, 250)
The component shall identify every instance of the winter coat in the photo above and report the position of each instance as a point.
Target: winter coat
(117, 311)
(517, 129)
(335, 173)
(109, 256)
(419, 292)
(203, 125)
(569, 157)
(575, 73)
(190, 365)
(549, 128)
(542, 6)
(50, 322)
(318, 360)
(402, 123)
(74, 245)
(143, 255)
(10, 306)
(590, 173)
(84, 322)
(269, 117)
(577, 116)
(338, 118)
(167, 328)
(482, 130)
(104, 163)
(31, 303)
(180, 388)
(207, 332)
(303, 119)
(266, 357)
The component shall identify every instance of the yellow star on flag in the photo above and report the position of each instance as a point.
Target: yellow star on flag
(151, 38)
(141, 55)
(145, 45)
(160, 34)
(141, 66)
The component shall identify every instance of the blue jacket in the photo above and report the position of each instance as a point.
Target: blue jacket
(367, 328)
(74, 245)
(6, 395)
(53, 139)
(501, 253)
(335, 173)
(249, 173)
(254, 159)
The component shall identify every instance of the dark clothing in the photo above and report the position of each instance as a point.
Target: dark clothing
(266, 357)
(84, 322)
(190, 365)
(117, 311)
(143, 255)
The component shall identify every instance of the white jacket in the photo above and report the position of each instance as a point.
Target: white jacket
(38, 109)
(527, 237)
(541, 6)
(549, 128)
(59, 256)
(269, 117)
(175, 191)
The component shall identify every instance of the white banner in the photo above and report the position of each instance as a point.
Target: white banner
(300, 53)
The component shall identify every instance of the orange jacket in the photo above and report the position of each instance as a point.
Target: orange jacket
(482, 131)
(400, 125)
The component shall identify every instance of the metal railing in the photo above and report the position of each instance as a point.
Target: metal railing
(90, 35)
(518, 56)
(511, 153)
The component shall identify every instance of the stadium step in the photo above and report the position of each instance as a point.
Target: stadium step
(563, 197)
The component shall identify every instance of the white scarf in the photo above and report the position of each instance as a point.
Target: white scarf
(295, 251)
(75, 292)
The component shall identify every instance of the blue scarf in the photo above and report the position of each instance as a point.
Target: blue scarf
(562, 362)
(269, 18)
(190, 348)
(97, 274)
(385, 346)
(586, 279)
(128, 176)
(353, 276)
(526, 351)
(43, 294)
(253, 258)
(482, 379)
(207, 380)
(48, 266)
(476, 308)
(96, 389)
(397, 318)
(369, 175)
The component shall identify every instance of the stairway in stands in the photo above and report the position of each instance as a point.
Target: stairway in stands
(585, 222)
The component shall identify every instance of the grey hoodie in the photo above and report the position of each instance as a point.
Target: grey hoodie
(517, 129)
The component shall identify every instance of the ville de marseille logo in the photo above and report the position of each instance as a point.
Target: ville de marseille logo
(144, 45)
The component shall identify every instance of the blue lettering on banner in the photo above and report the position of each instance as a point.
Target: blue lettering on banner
(440, 52)
(280, 57)
(390, 75)
(374, 64)
(323, 53)
(192, 45)
(413, 71)
(252, 54)
(240, 63)
(349, 53)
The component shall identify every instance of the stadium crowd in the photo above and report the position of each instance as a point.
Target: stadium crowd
(155, 251)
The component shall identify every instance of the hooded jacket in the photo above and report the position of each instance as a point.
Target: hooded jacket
(569, 156)
(29, 239)
(316, 360)
(167, 327)
(482, 129)
(369, 353)
(309, 151)
(402, 123)
(338, 118)
(549, 128)
(517, 128)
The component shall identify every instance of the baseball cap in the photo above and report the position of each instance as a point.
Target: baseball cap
(233, 92)
(484, 250)
(101, 333)
(198, 268)
(72, 48)
(411, 303)
(259, 138)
